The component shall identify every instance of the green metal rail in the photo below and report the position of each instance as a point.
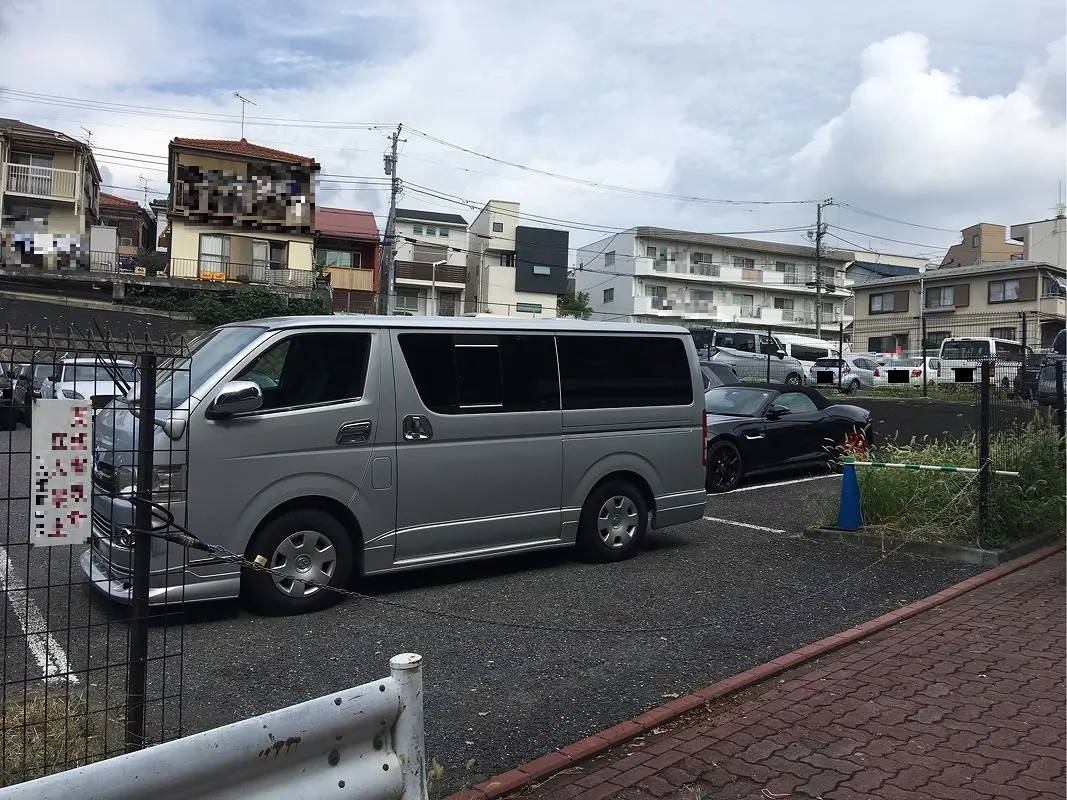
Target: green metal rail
(926, 467)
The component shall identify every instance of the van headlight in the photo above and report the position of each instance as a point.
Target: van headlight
(166, 478)
(70, 394)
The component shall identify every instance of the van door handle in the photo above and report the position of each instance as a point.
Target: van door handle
(417, 428)
(354, 432)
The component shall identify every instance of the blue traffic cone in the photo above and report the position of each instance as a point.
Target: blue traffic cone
(849, 515)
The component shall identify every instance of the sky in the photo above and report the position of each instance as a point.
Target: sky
(917, 118)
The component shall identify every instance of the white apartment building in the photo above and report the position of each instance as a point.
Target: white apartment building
(512, 269)
(1044, 241)
(431, 263)
(697, 279)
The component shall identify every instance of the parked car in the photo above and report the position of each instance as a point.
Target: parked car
(756, 429)
(961, 359)
(807, 349)
(907, 371)
(716, 374)
(851, 372)
(752, 353)
(1024, 384)
(1047, 393)
(90, 378)
(331, 446)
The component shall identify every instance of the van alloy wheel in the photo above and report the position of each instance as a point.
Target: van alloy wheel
(792, 379)
(304, 555)
(618, 521)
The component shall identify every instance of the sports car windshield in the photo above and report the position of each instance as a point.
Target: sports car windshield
(736, 401)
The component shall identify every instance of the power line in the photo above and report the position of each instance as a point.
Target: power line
(891, 219)
(887, 239)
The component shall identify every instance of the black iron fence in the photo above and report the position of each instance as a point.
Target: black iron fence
(90, 451)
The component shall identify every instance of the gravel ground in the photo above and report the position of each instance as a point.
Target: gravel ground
(704, 601)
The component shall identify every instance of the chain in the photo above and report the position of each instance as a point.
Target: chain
(187, 539)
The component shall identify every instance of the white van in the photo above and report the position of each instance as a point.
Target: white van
(807, 349)
(961, 359)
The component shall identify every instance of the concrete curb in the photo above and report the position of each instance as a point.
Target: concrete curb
(959, 553)
(585, 749)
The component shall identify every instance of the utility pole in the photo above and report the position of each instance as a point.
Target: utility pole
(387, 262)
(820, 231)
(244, 102)
(144, 185)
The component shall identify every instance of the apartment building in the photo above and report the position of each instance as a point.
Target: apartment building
(980, 244)
(241, 212)
(431, 263)
(1045, 240)
(650, 274)
(135, 225)
(347, 249)
(515, 269)
(49, 196)
(976, 300)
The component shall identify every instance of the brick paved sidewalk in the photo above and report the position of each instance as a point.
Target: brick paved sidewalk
(963, 702)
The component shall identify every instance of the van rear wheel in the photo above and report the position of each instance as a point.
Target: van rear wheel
(613, 522)
(303, 544)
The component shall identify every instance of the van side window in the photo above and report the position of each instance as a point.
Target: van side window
(807, 352)
(311, 368)
(623, 371)
(482, 373)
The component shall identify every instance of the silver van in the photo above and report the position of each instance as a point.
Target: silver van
(330, 447)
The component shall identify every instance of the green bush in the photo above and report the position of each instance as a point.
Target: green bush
(308, 306)
(256, 303)
(210, 310)
(941, 506)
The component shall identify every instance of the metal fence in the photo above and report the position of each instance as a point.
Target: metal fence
(364, 742)
(86, 673)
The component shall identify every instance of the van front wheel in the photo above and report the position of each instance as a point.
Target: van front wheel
(613, 522)
(299, 546)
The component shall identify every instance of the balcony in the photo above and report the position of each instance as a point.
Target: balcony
(355, 280)
(427, 273)
(45, 182)
(228, 272)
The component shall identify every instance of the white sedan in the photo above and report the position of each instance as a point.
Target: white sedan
(908, 371)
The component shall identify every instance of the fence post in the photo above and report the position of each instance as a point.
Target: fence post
(922, 335)
(1061, 412)
(137, 676)
(983, 445)
(770, 334)
(409, 742)
(841, 351)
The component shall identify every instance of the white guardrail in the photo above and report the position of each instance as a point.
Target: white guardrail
(365, 743)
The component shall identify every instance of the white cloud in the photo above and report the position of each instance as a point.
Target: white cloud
(910, 138)
(715, 100)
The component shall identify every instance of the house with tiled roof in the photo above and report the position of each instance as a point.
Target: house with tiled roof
(134, 224)
(241, 212)
(347, 246)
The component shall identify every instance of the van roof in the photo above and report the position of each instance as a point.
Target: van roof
(461, 323)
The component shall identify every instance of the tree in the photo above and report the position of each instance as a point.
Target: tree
(574, 305)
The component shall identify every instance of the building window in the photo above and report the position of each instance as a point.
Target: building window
(505, 259)
(498, 227)
(416, 230)
(430, 231)
(652, 290)
(126, 241)
(270, 255)
(650, 251)
(1002, 333)
(1003, 291)
(428, 253)
(214, 252)
(609, 295)
(700, 258)
(976, 239)
(529, 308)
(442, 232)
(539, 269)
(407, 300)
(325, 259)
(827, 309)
(478, 374)
(744, 300)
(744, 263)
(609, 259)
(881, 304)
(598, 372)
(783, 303)
(941, 297)
(934, 339)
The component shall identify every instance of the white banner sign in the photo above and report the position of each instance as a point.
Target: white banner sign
(62, 446)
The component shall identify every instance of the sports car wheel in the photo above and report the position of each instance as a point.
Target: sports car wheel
(725, 468)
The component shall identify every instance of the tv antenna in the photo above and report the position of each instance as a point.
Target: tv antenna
(244, 102)
(88, 136)
(144, 186)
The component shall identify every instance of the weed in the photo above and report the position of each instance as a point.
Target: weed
(46, 734)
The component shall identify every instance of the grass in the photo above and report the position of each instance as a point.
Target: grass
(46, 734)
(943, 507)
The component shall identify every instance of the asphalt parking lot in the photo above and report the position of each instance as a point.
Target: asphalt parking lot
(558, 649)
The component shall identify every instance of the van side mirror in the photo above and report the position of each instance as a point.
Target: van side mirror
(236, 397)
(780, 354)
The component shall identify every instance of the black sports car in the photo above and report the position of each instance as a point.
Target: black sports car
(758, 428)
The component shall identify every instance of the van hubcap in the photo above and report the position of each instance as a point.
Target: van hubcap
(303, 556)
(618, 521)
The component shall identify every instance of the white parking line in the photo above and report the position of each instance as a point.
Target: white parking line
(744, 525)
(49, 656)
(772, 485)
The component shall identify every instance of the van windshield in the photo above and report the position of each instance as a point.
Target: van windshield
(964, 349)
(181, 377)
